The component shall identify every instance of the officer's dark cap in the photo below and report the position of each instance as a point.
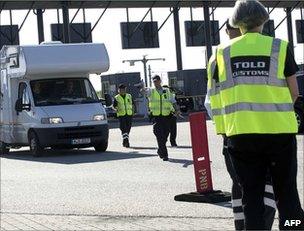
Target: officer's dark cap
(122, 86)
(156, 77)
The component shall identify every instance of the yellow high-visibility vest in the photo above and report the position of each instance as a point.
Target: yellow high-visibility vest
(214, 94)
(124, 105)
(254, 97)
(160, 104)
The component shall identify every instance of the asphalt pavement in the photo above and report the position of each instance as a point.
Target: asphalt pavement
(122, 189)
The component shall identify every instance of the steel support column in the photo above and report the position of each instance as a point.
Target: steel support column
(150, 76)
(11, 27)
(289, 28)
(145, 70)
(207, 30)
(40, 25)
(178, 48)
(66, 22)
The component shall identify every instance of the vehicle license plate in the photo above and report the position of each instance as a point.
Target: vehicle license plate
(81, 141)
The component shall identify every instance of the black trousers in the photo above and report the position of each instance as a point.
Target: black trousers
(173, 129)
(251, 156)
(125, 124)
(161, 129)
(237, 195)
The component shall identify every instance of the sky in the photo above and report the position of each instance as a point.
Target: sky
(108, 32)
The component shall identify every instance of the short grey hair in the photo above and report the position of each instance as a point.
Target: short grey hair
(248, 14)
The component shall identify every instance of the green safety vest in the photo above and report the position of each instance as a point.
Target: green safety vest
(160, 104)
(124, 105)
(215, 100)
(253, 97)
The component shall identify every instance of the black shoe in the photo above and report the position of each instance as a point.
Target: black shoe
(173, 144)
(127, 144)
(165, 159)
(159, 154)
(124, 143)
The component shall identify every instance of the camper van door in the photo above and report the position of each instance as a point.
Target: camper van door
(23, 117)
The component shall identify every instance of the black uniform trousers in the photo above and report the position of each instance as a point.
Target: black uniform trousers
(236, 196)
(173, 129)
(252, 155)
(125, 124)
(161, 129)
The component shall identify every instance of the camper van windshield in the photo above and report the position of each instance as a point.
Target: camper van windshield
(63, 91)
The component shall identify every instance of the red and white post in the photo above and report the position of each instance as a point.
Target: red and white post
(201, 161)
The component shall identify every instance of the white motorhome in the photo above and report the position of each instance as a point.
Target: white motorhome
(47, 100)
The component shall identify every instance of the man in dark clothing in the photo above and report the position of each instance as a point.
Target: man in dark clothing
(123, 103)
(161, 105)
(173, 131)
(173, 121)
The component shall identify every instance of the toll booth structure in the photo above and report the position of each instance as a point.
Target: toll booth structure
(190, 87)
(67, 31)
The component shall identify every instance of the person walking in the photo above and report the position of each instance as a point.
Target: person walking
(236, 191)
(252, 88)
(123, 103)
(173, 121)
(161, 104)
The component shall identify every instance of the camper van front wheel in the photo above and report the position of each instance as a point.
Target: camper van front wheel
(101, 146)
(3, 148)
(35, 147)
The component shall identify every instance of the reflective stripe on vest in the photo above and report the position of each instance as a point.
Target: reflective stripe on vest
(254, 104)
(160, 105)
(258, 107)
(215, 98)
(124, 105)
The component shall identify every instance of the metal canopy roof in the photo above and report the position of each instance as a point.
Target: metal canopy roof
(54, 4)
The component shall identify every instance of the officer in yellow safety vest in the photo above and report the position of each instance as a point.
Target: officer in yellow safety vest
(123, 103)
(162, 105)
(251, 98)
(236, 190)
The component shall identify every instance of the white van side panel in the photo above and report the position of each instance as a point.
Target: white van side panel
(3, 106)
(63, 59)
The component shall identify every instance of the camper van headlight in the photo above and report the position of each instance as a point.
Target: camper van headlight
(52, 120)
(99, 117)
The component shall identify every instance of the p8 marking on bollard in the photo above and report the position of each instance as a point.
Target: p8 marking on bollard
(201, 162)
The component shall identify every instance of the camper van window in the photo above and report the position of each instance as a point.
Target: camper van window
(14, 61)
(63, 91)
(23, 93)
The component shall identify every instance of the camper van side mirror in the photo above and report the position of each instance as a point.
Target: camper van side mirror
(108, 99)
(19, 107)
